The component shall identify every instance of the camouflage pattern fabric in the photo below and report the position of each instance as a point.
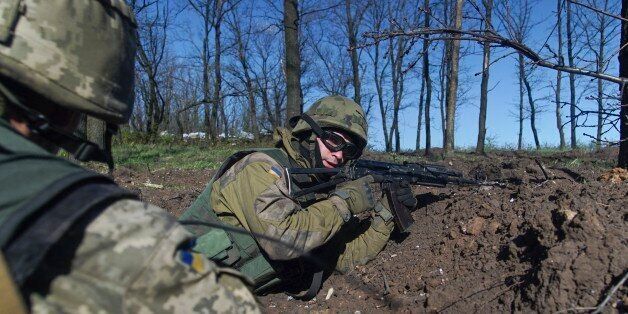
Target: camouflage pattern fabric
(78, 53)
(255, 194)
(131, 260)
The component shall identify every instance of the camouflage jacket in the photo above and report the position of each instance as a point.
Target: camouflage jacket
(131, 258)
(255, 194)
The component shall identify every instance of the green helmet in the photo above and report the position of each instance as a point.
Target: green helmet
(340, 113)
(79, 54)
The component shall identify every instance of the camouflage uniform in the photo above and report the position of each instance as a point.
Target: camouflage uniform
(128, 256)
(255, 193)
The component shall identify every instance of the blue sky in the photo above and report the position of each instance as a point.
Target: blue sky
(502, 125)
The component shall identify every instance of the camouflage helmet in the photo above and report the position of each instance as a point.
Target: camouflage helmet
(340, 113)
(79, 54)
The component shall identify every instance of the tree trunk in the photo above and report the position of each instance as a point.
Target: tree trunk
(521, 74)
(622, 160)
(278, 101)
(572, 78)
(420, 117)
(397, 85)
(352, 30)
(294, 106)
(559, 120)
(444, 72)
(207, 107)
(443, 83)
(395, 82)
(427, 81)
(452, 88)
(532, 112)
(380, 96)
(600, 86)
(486, 60)
(263, 90)
(217, 99)
(248, 81)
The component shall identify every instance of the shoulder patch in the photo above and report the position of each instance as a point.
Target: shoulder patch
(276, 171)
(193, 260)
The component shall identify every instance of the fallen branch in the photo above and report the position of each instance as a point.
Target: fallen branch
(538, 162)
(601, 306)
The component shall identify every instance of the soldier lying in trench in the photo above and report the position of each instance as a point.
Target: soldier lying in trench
(253, 190)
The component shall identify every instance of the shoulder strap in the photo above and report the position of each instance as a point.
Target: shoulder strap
(15, 220)
(33, 229)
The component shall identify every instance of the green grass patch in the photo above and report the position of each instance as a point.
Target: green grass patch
(174, 155)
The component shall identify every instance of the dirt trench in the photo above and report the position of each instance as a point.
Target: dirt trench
(553, 238)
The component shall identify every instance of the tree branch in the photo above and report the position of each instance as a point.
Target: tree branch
(598, 10)
(491, 37)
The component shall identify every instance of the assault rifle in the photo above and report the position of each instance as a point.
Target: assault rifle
(391, 176)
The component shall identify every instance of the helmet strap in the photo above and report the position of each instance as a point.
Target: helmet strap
(315, 127)
(81, 149)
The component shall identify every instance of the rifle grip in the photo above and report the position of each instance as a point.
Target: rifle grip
(401, 215)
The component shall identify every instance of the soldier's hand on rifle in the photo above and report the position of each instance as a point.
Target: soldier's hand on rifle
(405, 196)
(357, 194)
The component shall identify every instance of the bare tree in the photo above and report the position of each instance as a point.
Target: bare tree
(242, 50)
(486, 60)
(376, 15)
(599, 31)
(217, 99)
(519, 25)
(623, 73)
(559, 78)
(419, 123)
(268, 77)
(333, 73)
(427, 81)
(572, 77)
(151, 52)
(397, 50)
(452, 86)
(354, 15)
(520, 117)
(204, 9)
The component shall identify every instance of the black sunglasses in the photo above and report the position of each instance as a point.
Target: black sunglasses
(333, 141)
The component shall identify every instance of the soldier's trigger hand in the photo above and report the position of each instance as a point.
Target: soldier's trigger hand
(405, 196)
(357, 194)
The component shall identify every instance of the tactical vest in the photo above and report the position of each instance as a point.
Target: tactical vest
(41, 198)
(237, 250)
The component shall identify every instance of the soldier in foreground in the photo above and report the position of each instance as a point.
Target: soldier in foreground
(254, 190)
(72, 241)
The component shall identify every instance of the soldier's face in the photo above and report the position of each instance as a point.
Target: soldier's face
(330, 158)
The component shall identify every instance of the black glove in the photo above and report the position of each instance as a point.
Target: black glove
(405, 196)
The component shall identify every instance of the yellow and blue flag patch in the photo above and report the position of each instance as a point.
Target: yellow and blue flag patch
(195, 261)
(276, 171)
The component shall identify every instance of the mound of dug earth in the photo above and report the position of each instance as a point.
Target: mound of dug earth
(553, 239)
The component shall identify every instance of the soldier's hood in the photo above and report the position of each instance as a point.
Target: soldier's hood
(284, 139)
